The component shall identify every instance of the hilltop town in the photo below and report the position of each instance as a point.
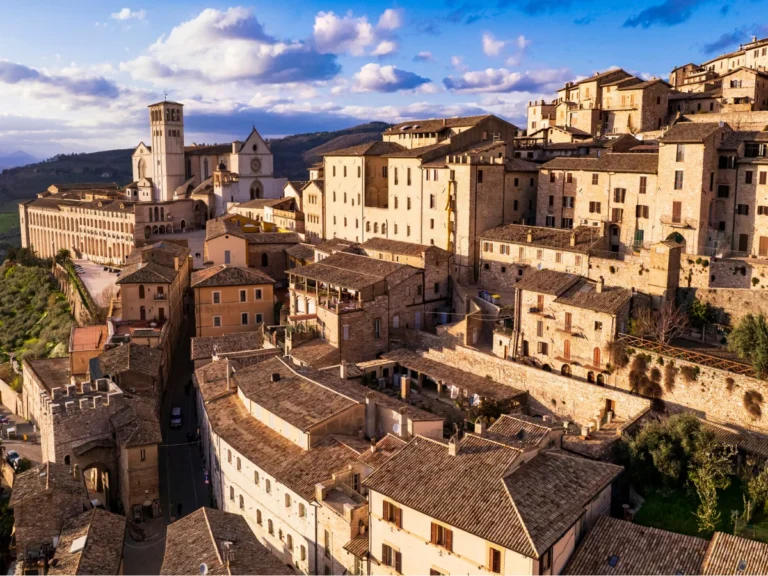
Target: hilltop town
(468, 347)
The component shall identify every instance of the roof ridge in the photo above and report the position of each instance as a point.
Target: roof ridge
(213, 537)
(317, 383)
(85, 544)
(519, 516)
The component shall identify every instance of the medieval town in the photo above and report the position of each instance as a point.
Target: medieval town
(462, 347)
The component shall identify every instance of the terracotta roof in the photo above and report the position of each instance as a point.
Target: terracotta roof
(354, 271)
(302, 252)
(88, 337)
(618, 548)
(358, 546)
(426, 152)
(547, 281)
(484, 387)
(385, 449)
(586, 237)
(220, 227)
(50, 372)
(226, 275)
(750, 442)
(317, 353)
(584, 294)
(202, 347)
(199, 539)
(435, 124)
(262, 202)
(272, 238)
(136, 423)
(395, 247)
(334, 245)
(713, 93)
(523, 430)
(376, 148)
(643, 85)
(298, 185)
(689, 132)
(43, 479)
(729, 554)
(598, 76)
(295, 467)
(102, 551)
(520, 165)
(640, 162)
(486, 490)
(131, 358)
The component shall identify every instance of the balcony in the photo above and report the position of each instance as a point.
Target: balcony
(160, 296)
(679, 222)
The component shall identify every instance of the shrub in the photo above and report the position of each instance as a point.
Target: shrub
(750, 342)
(729, 384)
(755, 281)
(753, 402)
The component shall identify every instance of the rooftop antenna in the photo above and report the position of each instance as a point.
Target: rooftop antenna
(165, 95)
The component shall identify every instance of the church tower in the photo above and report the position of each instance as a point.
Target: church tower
(166, 120)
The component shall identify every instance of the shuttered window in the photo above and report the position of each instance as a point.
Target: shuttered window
(442, 536)
(677, 212)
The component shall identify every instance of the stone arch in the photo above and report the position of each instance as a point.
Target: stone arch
(147, 232)
(154, 229)
(600, 380)
(677, 238)
(565, 370)
(256, 190)
(591, 377)
(547, 368)
(183, 225)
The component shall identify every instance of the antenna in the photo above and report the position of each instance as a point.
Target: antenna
(165, 95)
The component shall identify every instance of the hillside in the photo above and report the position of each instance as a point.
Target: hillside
(18, 158)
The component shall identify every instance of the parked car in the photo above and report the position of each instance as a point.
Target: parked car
(176, 417)
(12, 457)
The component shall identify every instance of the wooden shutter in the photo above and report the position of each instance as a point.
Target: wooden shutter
(385, 554)
(449, 540)
(434, 533)
(763, 245)
(398, 517)
(677, 211)
(385, 512)
(399, 562)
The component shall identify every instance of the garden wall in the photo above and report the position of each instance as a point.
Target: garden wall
(80, 310)
(730, 304)
(10, 398)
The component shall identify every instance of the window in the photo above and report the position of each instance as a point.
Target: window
(239, 465)
(577, 260)
(141, 291)
(392, 514)
(619, 194)
(677, 212)
(762, 210)
(242, 502)
(748, 177)
(270, 527)
(479, 176)
(142, 454)
(217, 297)
(711, 181)
(442, 536)
(569, 178)
(345, 197)
(545, 561)
(559, 257)
(680, 155)
(242, 296)
(539, 327)
(227, 257)
(384, 171)
(678, 179)
(231, 493)
(432, 202)
(543, 348)
(258, 319)
(598, 325)
(550, 221)
(396, 203)
(641, 211)
(567, 223)
(763, 177)
(568, 201)
(539, 254)
(408, 230)
(257, 295)
(742, 209)
(303, 554)
(244, 319)
(395, 179)
(391, 557)
(258, 517)
(302, 510)
(268, 486)
(256, 477)
(217, 321)
(494, 560)
(594, 207)
(327, 543)
(408, 176)
(345, 175)
(723, 191)
(617, 214)
(408, 203)
(287, 500)
(377, 327)
(595, 179)
(551, 176)
(359, 173)
(431, 223)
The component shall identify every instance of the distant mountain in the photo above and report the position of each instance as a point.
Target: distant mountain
(18, 158)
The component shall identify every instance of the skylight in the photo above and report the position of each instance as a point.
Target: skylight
(78, 544)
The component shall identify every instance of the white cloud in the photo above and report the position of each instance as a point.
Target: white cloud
(491, 46)
(522, 44)
(334, 34)
(376, 78)
(502, 80)
(128, 14)
(228, 46)
(425, 56)
(458, 64)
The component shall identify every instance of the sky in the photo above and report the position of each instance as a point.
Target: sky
(77, 76)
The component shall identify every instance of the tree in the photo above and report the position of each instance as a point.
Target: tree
(749, 340)
(663, 325)
(63, 255)
(700, 314)
(710, 471)
(754, 479)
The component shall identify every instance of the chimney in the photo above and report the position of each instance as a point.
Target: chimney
(573, 239)
(405, 387)
(479, 426)
(529, 236)
(600, 285)
(443, 121)
(343, 370)
(176, 263)
(320, 491)
(403, 421)
(276, 377)
(229, 374)
(373, 446)
(453, 445)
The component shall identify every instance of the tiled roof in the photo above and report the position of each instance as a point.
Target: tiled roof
(136, 423)
(202, 347)
(44, 478)
(272, 238)
(600, 76)
(131, 357)
(435, 124)
(298, 185)
(689, 132)
(358, 546)
(524, 430)
(302, 252)
(147, 273)
(586, 237)
(547, 281)
(298, 469)
(425, 152)
(635, 549)
(207, 149)
(262, 202)
(750, 442)
(50, 372)
(520, 165)
(220, 227)
(376, 148)
(713, 93)
(584, 294)
(640, 162)
(334, 245)
(298, 400)
(354, 271)
(385, 449)
(102, 552)
(643, 85)
(394, 246)
(484, 387)
(317, 353)
(225, 275)
(729, 554)
(198, 539)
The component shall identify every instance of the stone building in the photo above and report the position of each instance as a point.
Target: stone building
(527, 506)
(232, 299)
(135, 368)
(566, 323)
(85, 343)
(43, 499)
(38, 378)
(91, 543)
(109, 439)
(220, 541)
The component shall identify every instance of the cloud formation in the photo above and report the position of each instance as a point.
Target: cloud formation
(229, 46)
(668, 13)
(425, 56)
(491, 46)
(376, 78)
(503, 80)
(51, 85)
(128, 14)
(334, 34)
(725, 41)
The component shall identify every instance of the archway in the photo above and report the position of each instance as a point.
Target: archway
(600, 380)
(98, 483)
(154, 229)
(183, 226)
(566, 370)
(591, 377)
(677, 238)
(547, 368)
(161, 229)
(256, 191)
(147, 232)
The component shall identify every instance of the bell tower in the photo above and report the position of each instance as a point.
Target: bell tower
(166, 121)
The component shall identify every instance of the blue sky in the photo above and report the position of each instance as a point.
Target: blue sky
(77, 76)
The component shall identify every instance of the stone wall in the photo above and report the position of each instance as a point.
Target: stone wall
(77, 304)
(10, 398)
(730, 304)
(737, 120)
(548, 393)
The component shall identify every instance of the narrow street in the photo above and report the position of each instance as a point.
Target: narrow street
(180, 466)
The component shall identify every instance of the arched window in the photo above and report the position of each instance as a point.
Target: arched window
(270, 527)
(264, 260)
(66, 459)
(600, 380)
(258, 517)
(205, 169)
(157, 214)
(596, 357)
(142, 313)
(367, 226)
(376, 228)
(566, 370)
(242, 502)
(591, 377)
(256, 191)
(141, 291)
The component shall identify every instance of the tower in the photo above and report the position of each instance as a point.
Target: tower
(166, 120)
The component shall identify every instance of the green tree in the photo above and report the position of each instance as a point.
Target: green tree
(749, 340)
(710, 471)
(754, 480)
(700, 314)
(63, 255)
